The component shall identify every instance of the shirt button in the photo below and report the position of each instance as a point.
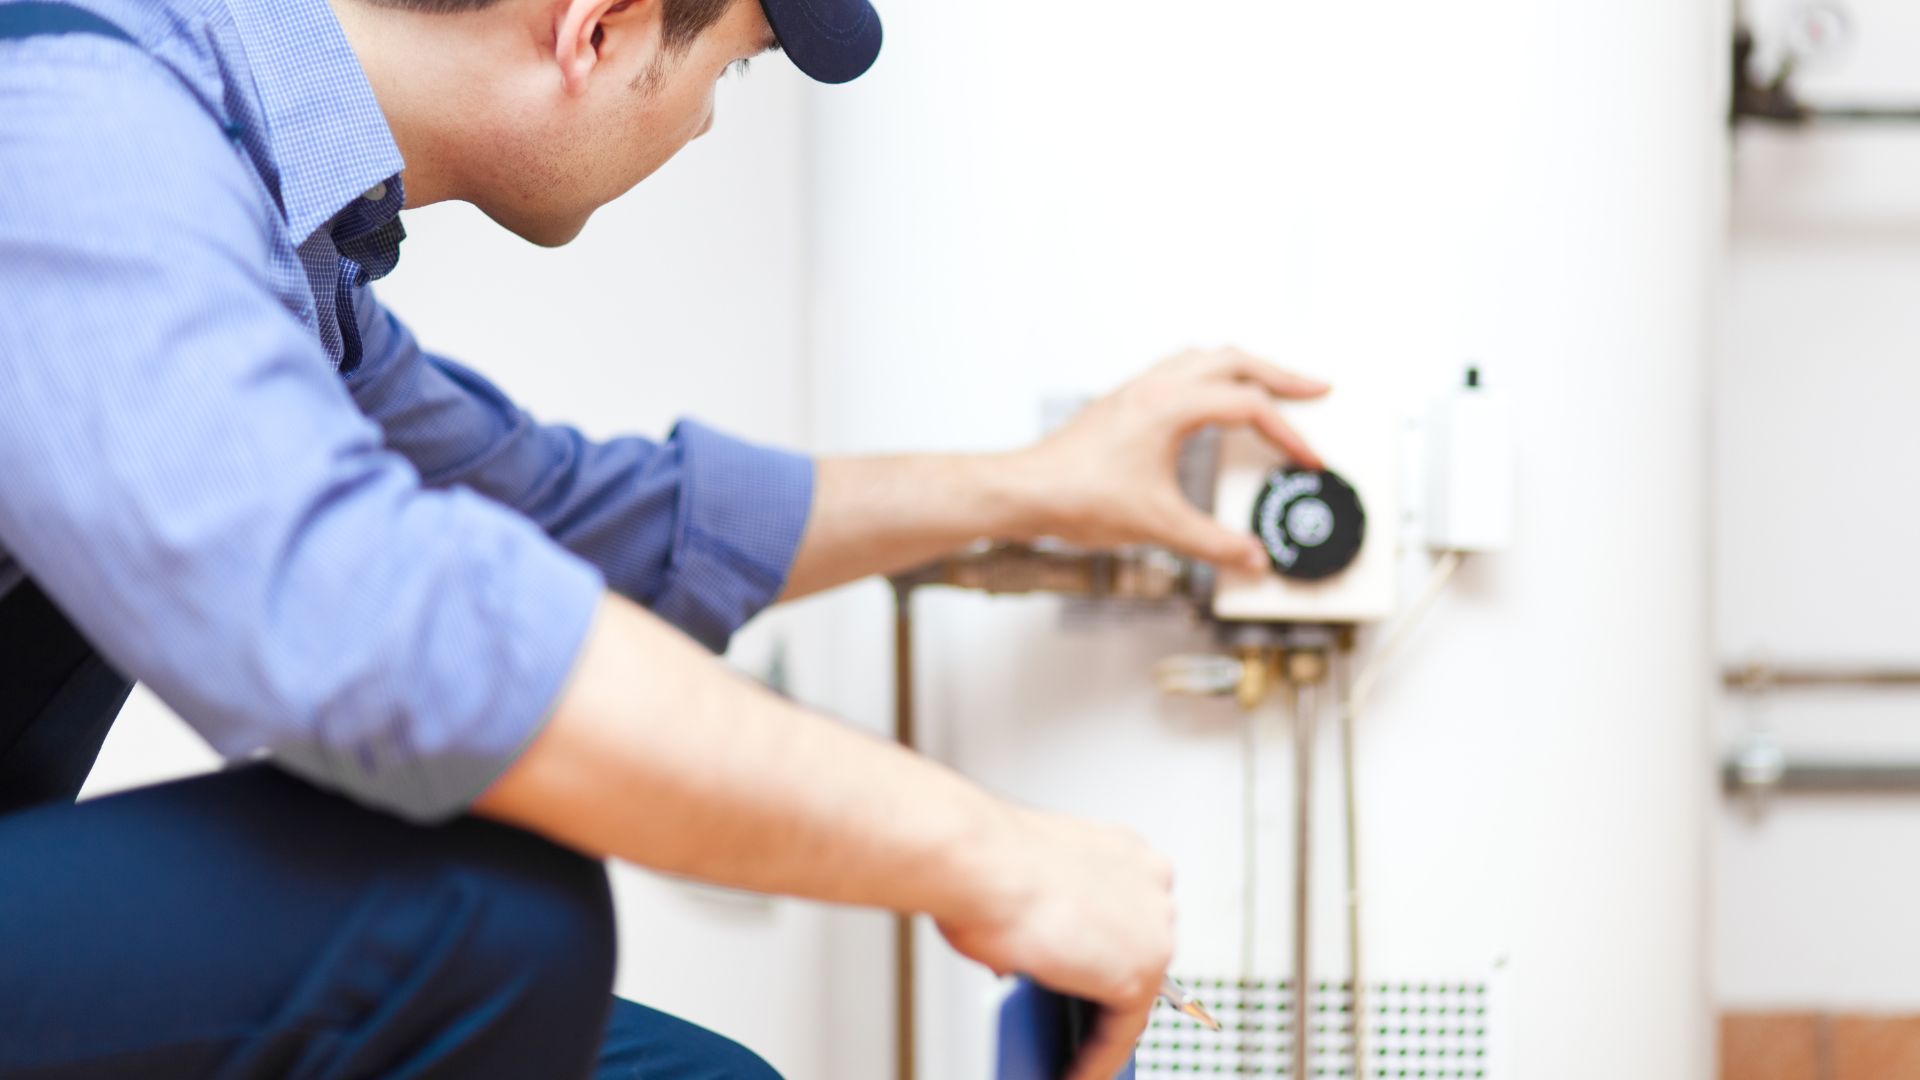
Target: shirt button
(376, 192)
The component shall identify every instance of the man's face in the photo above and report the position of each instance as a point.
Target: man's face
(564, 153)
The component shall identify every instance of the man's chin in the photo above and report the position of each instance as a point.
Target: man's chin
(546, 232)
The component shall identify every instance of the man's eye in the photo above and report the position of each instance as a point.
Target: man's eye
(739, 67)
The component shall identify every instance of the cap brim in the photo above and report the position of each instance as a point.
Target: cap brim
(833, 41)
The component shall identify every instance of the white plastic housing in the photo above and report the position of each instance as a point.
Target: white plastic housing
(1357, 439)
(1470, 470)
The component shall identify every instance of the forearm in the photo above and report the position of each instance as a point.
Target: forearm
(656, 754)
(701, 527)
(878, 515)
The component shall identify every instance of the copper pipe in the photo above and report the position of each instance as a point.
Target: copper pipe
(1305, 670)
(1303, 739)
(903, 733)
(1760, 678)
(1357, 1000)
(999, 569)
(1816, 777)
(1003, 569)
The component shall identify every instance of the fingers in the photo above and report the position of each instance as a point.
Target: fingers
(1194, 534)
(1162, 870)
(1281, 434)
(1247, 406)
(1276, 380)
(1110, 1046)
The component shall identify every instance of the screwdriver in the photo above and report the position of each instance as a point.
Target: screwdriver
(1183, 1001)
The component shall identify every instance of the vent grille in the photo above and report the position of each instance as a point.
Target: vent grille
(1415, 1031)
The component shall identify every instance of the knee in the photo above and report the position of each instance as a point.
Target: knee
(720, 1058)
(529, 943)
(545, 922)
(736, 1062)
(643, 1042)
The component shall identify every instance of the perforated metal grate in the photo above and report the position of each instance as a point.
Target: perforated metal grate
(1415, 1031)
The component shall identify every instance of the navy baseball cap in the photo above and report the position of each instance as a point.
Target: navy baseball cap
(834, 41)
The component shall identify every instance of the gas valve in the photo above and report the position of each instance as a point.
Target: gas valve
(1244, 677)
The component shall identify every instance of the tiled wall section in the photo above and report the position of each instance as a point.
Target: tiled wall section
(1819, 1046)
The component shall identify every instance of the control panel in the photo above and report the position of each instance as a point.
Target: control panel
(1330, 533)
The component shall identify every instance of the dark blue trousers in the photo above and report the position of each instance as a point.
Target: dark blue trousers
(247, 925)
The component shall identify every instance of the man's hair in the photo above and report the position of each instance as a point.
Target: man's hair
(682, 21)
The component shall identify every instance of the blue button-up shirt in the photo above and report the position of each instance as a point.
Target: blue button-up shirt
(242, 478)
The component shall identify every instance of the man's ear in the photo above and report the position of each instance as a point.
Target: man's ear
(583, 29)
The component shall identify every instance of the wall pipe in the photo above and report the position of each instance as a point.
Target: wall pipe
(904, 1037)
(1302, 691)
(1738, 776)
(1760, 678)
(1001, 569)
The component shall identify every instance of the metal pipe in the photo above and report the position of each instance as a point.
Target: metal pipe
(1357, 1002)
(1864, 114)
(1000, 569)
(1300, 692)
(904, 1005)
(1803, 116)
(1759, 678)
(1822, 778)
(1249, 869)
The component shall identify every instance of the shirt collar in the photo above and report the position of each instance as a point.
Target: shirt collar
(328, 138)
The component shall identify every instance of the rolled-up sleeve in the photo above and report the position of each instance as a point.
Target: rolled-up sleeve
(189, 480)
(701, 528)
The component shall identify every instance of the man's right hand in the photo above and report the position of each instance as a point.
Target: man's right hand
(1086, 910)
(659, 755)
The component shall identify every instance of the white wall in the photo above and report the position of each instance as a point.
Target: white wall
(1816, 457)
(683, 299)
(1026, 198)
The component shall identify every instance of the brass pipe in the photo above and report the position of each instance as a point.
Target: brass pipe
(1259, 669)
(904, 977)
(1002, 569)
(1254, 672)
(1759, 678)
(999, 569)
(1817, 777)
(1305, 669)
(1356, 997)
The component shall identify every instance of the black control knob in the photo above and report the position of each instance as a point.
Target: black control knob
(1311, 522)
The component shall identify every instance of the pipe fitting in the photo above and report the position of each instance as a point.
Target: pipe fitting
(1306, 667)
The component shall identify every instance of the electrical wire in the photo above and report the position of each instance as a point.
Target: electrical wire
(1306, 711)
(1356, 1015)
(1358, 692)
(1250, 871)
(1369, 674)
(1250, 844)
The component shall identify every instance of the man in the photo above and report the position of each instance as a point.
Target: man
(476, 641)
